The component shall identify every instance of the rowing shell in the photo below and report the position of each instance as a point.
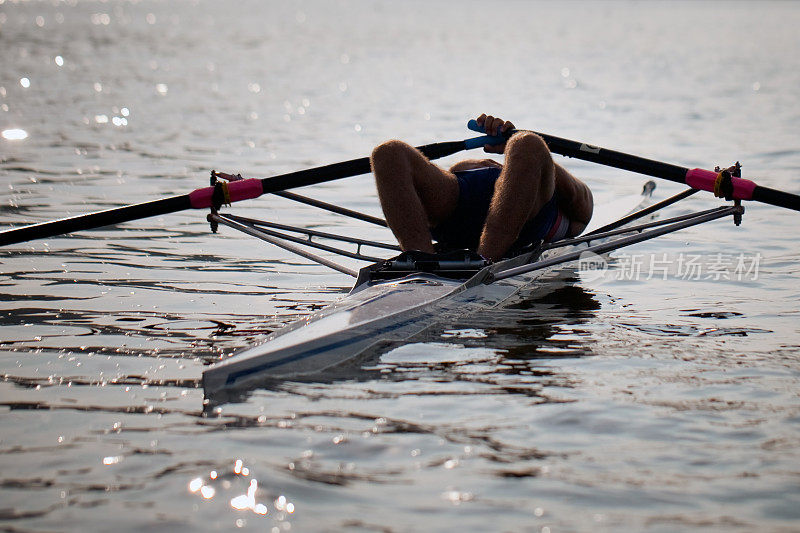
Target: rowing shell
(384, 311)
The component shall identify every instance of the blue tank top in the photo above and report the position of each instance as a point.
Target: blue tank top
(464, 226)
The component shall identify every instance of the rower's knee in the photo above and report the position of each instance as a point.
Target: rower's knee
(529, 145)
(532, 153)
(390, 153)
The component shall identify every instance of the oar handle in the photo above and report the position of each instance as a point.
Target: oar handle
(499, 138)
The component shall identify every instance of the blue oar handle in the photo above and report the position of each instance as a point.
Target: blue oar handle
(478, 142)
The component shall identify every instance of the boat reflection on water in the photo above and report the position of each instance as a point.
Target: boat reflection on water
(542, 322)
(545, 323)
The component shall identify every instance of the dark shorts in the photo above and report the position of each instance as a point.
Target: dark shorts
(475, 189)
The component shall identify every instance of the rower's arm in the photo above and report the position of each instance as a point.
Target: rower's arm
(574, 199)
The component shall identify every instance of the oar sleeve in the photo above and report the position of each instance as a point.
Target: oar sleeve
(234, 191)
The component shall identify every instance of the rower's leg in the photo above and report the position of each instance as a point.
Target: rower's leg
(525, 185)
(415, 194)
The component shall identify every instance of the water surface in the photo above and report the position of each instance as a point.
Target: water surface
(619, 402)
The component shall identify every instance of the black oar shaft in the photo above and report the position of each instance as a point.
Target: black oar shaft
(696, 178)
(603, 156)
(164, 206)
(611, 158)
(775, 197)
(95, 220)
(345, 169)
(656, 169)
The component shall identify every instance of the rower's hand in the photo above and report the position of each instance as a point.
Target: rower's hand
(492, 125)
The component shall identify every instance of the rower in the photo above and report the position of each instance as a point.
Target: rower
(480, 204)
